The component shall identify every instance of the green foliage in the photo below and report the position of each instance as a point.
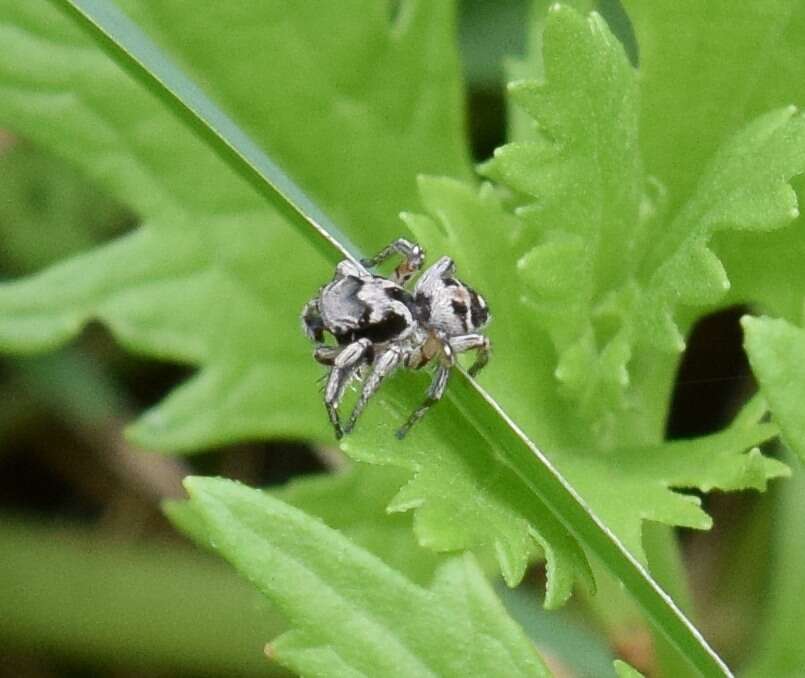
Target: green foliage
(219, 301)
(47, 210)
(687, 112)
(622, 210)
(776, 351)
(176, 302)
(69, 591)
(778, 641)
(623, 670)
(614, 484)
(350, 613)
(354, 502)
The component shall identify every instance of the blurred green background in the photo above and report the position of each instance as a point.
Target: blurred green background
(95, 582)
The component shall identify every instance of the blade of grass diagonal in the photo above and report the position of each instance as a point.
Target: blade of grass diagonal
(134, 50)
(125, 42)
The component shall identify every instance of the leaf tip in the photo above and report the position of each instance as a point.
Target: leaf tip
(748, 323)
(198, 485)
(512, 87)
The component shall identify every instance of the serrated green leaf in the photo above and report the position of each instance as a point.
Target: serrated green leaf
(351, 613)
(627, 486)
(686, 113)
(558, 421)
(583, 169)
(215, 300)
(483, 506)
(746, 187)
(354, 503)
(776, 351)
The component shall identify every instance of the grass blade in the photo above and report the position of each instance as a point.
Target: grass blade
(125, 42)
(133, 49)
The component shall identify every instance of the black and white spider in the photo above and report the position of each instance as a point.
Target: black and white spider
(377, 322)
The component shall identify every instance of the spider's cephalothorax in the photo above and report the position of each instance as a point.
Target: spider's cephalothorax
(376, 321)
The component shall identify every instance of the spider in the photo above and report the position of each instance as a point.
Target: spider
(377, 322)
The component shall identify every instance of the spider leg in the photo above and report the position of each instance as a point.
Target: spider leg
(468, 342)
(435, 393)
(385, 364)
(348, 269)
(444, 268)
(413, 258)
(344, 367)
(326, 355)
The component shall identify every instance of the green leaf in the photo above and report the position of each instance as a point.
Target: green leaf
(236, 353)
(746, 187)
(583, 168)
(777, 635)
(627, 486)
(176, 303)
(48, 210)
(687, 112)
(354, 503)
(351, 614)
(776, 350)
(623, 670)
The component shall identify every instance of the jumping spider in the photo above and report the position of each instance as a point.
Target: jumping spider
(376, 321)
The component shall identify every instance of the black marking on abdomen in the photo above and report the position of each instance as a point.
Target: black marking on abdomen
(478, 314)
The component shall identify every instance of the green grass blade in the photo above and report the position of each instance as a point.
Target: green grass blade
(125, 42)
(132, 48)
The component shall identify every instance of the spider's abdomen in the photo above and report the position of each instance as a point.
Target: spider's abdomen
(373, 308)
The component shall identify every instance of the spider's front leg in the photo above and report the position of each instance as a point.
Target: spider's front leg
(385, 364)
(413, 258)
(477, 342)
(437, 387)
(434, 395)
(344, 366)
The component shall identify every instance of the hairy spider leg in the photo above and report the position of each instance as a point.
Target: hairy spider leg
(450, 348)
(326, 355)
(435, 392)
(445, 267)
(344, 366)
(478, 342)
(413, 258)
(385, 364)
(347, 268)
